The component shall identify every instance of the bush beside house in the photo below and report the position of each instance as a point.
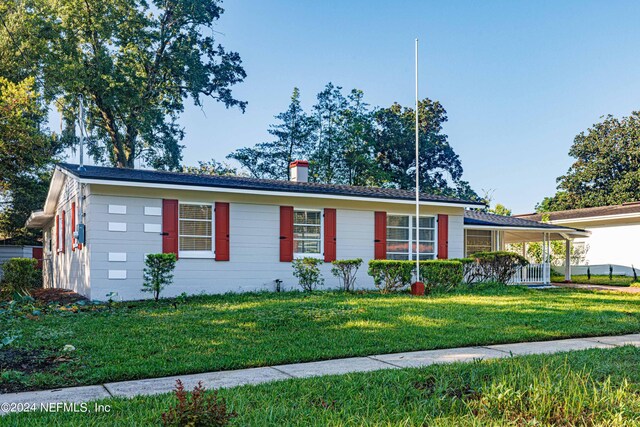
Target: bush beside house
(20, 275)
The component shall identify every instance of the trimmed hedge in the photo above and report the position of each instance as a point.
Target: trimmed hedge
(441, 274)
(496, 266)
(20, 275)
(392, 275)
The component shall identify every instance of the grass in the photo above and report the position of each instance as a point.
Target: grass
(209, 333)
(616, 280)
(591, 387)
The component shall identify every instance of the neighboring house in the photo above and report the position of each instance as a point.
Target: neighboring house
(615, 234)
(10, 249)
(234, 234)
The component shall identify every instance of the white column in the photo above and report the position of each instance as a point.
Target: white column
(567, 260)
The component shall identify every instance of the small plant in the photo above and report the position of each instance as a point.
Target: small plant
(307, 271)
(391, 275)
(610, 272)
(635, 274)
(278, 283)
(345, 270)
(158, 273)
(20, 275)
(200, 410)
(589, 273)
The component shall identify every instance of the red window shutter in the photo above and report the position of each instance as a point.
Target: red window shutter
(64, 231)
(286, 233)
(36, 253)
(222, 231)
(380, 235)
(57, 233)
(329, 235)
(73, 226)
(170, 227)
(443, 236)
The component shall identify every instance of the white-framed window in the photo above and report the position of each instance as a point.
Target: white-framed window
(401, 242)
(478, 241)
(195, 230)
(307, 233)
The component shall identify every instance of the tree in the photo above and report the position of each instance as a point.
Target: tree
(26, 153)
(606, 170)
(211, 168)
(158, 273)
(293, 138)
(134, 62)
(500, 209)
(394, 141)
(329, 114)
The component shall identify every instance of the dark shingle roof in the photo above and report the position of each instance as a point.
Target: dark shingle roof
(472, 217)
(243, 183)
(625, 208)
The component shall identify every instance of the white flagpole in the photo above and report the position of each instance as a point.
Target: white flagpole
(417, 177)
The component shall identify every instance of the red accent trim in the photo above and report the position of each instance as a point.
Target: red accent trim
(443, 236)
(170, 226)
(73, 226)
(286, 233)
(302, 163)
(36, 253)
(64, 231)
(329, 235)
(380, 235)
(222, 231)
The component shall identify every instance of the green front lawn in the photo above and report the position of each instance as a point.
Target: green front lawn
(209, 333)
(591, 387)
(603, 279)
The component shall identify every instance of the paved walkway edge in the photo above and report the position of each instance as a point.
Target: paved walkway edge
(226, 379)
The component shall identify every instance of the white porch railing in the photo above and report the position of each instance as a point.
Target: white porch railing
(532, 273)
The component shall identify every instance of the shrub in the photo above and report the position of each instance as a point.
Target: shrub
(345, 270)
(496, 266)
(158, 273)
(307, 270)
(20, 275)
(441, 274)
(391, 275)
(200, 410)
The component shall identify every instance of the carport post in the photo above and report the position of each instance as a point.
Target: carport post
(567, 260)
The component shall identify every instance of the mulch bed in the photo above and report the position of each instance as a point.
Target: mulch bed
(63, 296)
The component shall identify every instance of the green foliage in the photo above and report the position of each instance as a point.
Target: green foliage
(292, 141)
(134, 62)
(391, 275)
(345, 270)
(441, 274)
(211, 168)
(347, 142)
(20, 275)
(606, 170)
(158, 273)
(307, 271)
(495, 266)
(500, 209)
(197, 410)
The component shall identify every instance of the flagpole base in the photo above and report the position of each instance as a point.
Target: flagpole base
(417, 288)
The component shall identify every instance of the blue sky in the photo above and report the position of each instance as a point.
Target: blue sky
(519, 79)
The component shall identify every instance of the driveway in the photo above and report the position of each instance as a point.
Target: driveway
(628, 290)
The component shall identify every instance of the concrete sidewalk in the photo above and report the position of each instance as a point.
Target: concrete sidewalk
(224, 379)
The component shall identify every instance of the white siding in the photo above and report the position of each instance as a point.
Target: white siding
(616, 244)
(456, 236)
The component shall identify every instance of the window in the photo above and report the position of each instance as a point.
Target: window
(195, 230)
(60, 230)
(307, 232)
(478, 241)
(401, 230)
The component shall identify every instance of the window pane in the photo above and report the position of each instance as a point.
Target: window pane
(306, 232)
(423, 256)
(398, 234)
(425, 222)
(397, 220)
(306, 247)
(424, 247)
(195, 212)
(195, 243)
(398, 256)
(195, 228)
(307, 217)
(426, 234)
(398, 247)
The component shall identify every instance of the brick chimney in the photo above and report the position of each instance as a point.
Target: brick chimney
(299, 171)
